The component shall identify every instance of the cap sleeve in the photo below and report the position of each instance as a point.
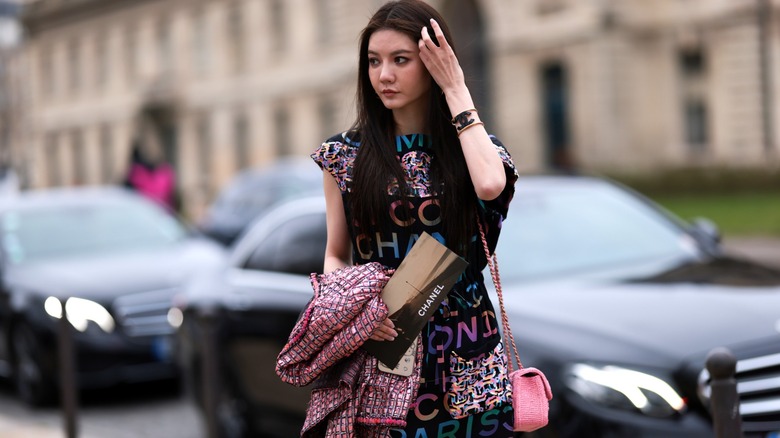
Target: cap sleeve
(336, 157)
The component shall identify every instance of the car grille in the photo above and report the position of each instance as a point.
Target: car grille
(758, 385)
(144, 314)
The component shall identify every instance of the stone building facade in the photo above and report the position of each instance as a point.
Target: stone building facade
(634, 85)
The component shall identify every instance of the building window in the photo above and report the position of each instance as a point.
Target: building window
(200, 42)
(324, 17)
(556, 112)
(236, 38)
(131, 55)
(241, 139)
(278, 26)
(696, 123)
(101, 60)
(693, 73)
(164, 45)
(327, 112)
(282, 125)
(203, 134)
(46, 73)
(107, 154)
(74, 65)
(548, 7)
(79, 157)
(53, 160)
(692, 63)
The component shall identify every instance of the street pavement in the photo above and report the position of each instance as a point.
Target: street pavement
(152, 411)
(763, 249)
(12, 428)
(175, 417)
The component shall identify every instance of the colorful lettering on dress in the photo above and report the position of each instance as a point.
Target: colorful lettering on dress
(409, 141)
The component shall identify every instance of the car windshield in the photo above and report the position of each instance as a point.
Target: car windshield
(558, 231)
(251, 193)
(31, 235)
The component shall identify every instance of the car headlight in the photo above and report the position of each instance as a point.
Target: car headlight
(623, 388)
(175, 317)
(80, 312)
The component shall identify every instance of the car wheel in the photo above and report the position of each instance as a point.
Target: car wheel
(29, 378)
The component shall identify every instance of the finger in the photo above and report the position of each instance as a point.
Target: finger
(388, 332)
(381, 335)
(424, 52)
(385, 331)
(439, 33)
(426, 38)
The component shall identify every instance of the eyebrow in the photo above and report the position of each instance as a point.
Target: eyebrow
(394, 53)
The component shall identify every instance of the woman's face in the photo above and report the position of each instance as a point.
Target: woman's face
(397, 74)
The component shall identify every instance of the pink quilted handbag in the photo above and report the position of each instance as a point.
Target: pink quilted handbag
(531, 392)
(531, 396)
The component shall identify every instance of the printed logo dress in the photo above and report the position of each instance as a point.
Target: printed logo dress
(464, 388)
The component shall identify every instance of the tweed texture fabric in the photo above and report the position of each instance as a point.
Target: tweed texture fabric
(345, 310)
(350, 396)
(354, 399)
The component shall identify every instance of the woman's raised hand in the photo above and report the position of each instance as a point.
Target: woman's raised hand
(440, 61)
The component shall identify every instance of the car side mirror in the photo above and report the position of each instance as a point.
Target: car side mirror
(706, 228)
(706, 232)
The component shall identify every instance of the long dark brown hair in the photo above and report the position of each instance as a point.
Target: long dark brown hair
(376, 163)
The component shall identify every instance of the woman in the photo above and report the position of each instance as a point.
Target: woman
(151, 177)
(418, 159)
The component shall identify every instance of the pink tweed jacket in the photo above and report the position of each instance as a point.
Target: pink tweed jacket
(351, 397)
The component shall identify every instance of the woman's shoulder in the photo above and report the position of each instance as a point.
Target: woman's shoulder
(336, 155)
(338, 147)
(347, 138)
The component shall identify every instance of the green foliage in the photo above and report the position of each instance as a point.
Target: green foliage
(697, 180)
(742, 202)
(736, 214)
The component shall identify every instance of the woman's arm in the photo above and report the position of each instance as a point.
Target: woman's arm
(338, 250)
(484, 164)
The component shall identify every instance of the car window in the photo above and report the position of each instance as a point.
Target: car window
(296, 246)
(50, 232)
(566, 231)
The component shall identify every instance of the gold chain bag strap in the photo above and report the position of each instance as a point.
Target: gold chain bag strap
(531, 393)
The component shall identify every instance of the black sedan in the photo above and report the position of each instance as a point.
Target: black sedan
(113, 261)
(254, 191)
(616, 300)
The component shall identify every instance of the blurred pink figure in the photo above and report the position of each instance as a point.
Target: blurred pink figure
(156, 181)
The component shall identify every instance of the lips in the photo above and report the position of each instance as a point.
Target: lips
(389, 93)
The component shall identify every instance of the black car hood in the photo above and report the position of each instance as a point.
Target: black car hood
(667, 317)
(102, 277)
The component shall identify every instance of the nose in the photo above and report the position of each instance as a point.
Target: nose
(386, 74)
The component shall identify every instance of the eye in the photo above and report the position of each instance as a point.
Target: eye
(401, 60)
(373, 62)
